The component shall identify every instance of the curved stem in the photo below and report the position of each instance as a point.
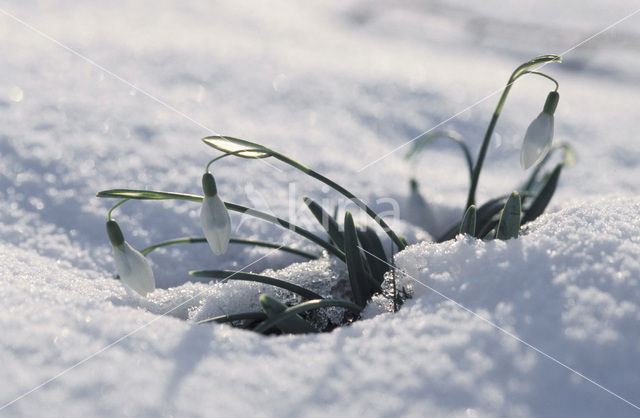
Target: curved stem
(448, 135)
(400, 243)
(471, 199)
(155, 195)
(189, 240)
(115, 206)
(266, 151)
(238, 152)
(547, 76)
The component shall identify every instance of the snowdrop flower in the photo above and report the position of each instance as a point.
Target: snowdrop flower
(537, 140)
(133, 267)
(214, 217)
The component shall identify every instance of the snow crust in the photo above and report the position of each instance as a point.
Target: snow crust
(336, 85)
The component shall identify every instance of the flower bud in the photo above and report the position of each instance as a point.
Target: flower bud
(133, 268)
(537, 141)
(214, 217)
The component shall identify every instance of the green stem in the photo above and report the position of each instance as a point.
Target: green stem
(471, 199)
(227, 154)
(154, 195)
(401, 245)
(547, 76)
(115, 206)
(263, 150)
(189, 240)
(291, 227)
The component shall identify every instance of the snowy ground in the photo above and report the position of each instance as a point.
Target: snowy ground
(336, 86)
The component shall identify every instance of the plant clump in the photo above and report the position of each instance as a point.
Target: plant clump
(370, 271)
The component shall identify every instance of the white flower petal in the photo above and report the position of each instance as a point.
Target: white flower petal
(537, 140)
(216, 223)
(134, 269)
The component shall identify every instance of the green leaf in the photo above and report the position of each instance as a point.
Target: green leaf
(250, 277)
(354, 261)
(148, 195)
(190, 240)
(304, 307)
(374, 254)
(327, 221)
(488, 231)
(234, 145)
(509, 225)
(544, 197)
(568, 159)
(468, 225)
(487, 216)
(293, 324)
(260, 316)
(484, 214)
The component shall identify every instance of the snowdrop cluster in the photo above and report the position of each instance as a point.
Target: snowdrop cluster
(503, 216)
(370, 269)
(134, 269)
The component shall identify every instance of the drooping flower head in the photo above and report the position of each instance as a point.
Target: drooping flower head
(214, 217)
(133, 268)
(537, 140)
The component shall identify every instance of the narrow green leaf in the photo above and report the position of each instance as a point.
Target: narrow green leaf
(354, 261)
(544, 197)
(369, 286)
(468, 225)
(235, 317)
(148, 195)
(304, 307)
(250, 277)
(374, 254)
(488, 215)
(327, 221)
(235, 145)
(190, 240)
(509, 225)
(483, 215)
(278, 247)
(293, 324)
(488, 231)
(567, 160)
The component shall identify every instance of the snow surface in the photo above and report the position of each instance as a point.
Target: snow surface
(336, 85)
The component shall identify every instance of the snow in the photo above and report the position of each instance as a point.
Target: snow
(336, 85)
